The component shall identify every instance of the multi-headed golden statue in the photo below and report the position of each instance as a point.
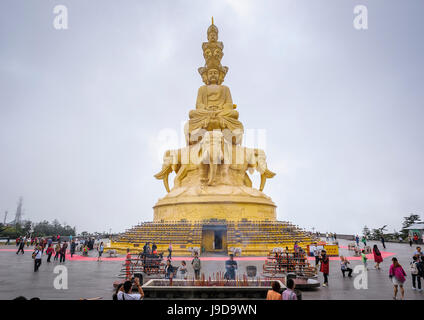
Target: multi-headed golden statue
(211, 171)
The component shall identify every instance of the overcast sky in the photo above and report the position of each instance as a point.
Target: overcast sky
(83, 110)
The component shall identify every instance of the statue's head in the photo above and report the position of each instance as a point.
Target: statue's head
(212, 33)
(213, 76)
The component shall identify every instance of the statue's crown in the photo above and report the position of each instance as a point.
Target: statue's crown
(213, 53)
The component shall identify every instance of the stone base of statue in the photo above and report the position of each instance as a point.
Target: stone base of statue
(229, 203)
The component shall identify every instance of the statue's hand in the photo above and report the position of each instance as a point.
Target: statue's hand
(212, 108)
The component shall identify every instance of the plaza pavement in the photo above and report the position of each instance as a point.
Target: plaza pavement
(88, 278)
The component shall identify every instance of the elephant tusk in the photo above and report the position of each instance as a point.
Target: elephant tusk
(263, 180)
(166, 182)
(163, 175)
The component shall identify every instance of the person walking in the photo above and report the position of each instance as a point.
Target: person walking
(196, 266)
(100, 250)
(63, 252)
(170, 251)
(364, 241)
(21, 247)
(36, 255)
(377, 257)
(344, 267)
(325, 267)
(410, 241)
(416, 273)
(364, 259)
(357, 240)
(383, 242)
(73, 247)
(317, 253)
(49, 252)
(57, 251)
(397, 275)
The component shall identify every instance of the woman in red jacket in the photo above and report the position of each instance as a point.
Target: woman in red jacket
(325, 267)
(377, 257)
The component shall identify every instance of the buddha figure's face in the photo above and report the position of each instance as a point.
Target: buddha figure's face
(212, 36)
(213, 76)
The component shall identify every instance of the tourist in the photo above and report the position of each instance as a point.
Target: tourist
(196, 266)
(377, 257)
(357, 240)
(127, 264)
(154, 248)
(274, 294)
(231, 267)
(63, 252)
(36, 255)
(383, 242)
(118, 288)
(420, 266)
(415, 273)
(325, 267)
(57, 250)
(289, 293)
(410, 240)
(169, 270)
(364, 241)
(124, 292)
(317, 254)
(418, 252)
(73, 247)
(397, 274)
(170, 251)
(100, 250)
(364, 259)
(21, 247)
(49, 252)
(415, 238)
(183, 270)
(344, 266)
(146, 249)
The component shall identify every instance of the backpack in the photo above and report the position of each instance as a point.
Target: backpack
(413, 268)
(34, 254)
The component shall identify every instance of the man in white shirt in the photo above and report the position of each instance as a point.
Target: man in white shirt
(124, 293)
(37, 258)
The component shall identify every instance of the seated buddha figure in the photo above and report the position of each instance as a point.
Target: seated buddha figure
(214, 106)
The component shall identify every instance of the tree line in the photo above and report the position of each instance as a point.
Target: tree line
(376, 234)
(36, 229)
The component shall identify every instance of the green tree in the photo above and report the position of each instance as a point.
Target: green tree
(407, 222)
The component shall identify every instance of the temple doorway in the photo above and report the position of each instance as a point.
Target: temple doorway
(214, 239)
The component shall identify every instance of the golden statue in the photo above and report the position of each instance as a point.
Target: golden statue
(214, 105)
(212, 169)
